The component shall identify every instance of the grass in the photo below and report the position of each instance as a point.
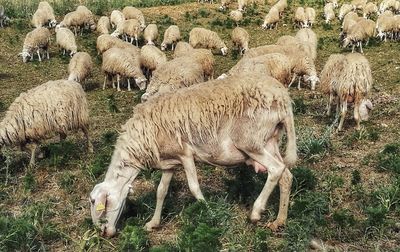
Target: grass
(345, 188)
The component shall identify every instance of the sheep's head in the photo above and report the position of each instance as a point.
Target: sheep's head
(346, 42)
(25, 55)
(264, 26)
(141, 82)
(364, 109)
(224, 50)
(313, 81)
(222, 8)
(222, 76)
(53, 23)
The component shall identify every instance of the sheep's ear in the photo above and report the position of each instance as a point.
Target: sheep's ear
(101, 204)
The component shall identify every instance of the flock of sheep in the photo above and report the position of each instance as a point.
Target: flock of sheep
(235, 118)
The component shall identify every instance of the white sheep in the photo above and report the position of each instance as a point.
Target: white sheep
(236, 16)
(182, 48)
(119, 62)
(35, 41)
(310, 16)
(134, 13)
(171, 36)
(106, 41)
(79, 20)
(334, 2)
(117, 18)
(310, 41)
(80, 67)
(46, 7)
(65, 39)
(344, 9)
(300, 19)
(103, 25)
(348, 79)
(4, 20)
(329, 13)
(177, 73)
(242, 4)
(204, 38)
(150, 34)
(240, 38)
(281, 5)
(224, 4)
(271, 19)
(386, 25)
(55, 107)
(369, 9)
(202, 56)
(174, 128)
(130, 29)
(88, 18)
(358, 4)
(151, 58)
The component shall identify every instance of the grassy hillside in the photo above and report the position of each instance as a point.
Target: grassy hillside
(346, 191)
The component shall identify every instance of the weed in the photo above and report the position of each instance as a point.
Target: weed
(216, 22)
(303, 179)
(133, 238)
(99, 165)
(261, 240)
(327, 27)
(252, 10)
(369, 133)
(66, 181)
(29, 182)
(343, 218)
(166, 21)
(376, 216)
(299, 107)
(245, 22)
(355, 177)
(112, 104)
(203, 12)
(389, 158)
(313, 146)
(387, 197)
(60, 154)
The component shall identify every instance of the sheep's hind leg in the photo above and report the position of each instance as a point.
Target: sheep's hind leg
(105, 81)
(118, 78)
(357, 115)
(343, 106)
(88, 142)
(32, 148)
(129, 84)
(161, 193)
(38, 53)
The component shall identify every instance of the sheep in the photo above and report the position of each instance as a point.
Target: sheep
(150, 34)
(79, 20)
(369, 9)
(300, 19)
(171, 36)
(310, 16)
(106, 41)
(178, 73)
(223, 122)
(182, 48)
(151, 58)
(242, 4)
(80, 67)
(4, 20)
(348, 79)
(117, 61)
(348, 20)
(240, 38)
(358, 4)
(306, 47)
(271, 19)
(53, 107)
(309, 39)
(87, 16)
(393, 5)
(329, 13)
(236, 16)
(43, 17)
(130, 29)
(46, 7)
(224, 4)
(134, 13)
(355, 35)
(281, 5)
(386, 25)
(344, 9)
(301, 64)
(117, 18)
(35, 41)
(276, 65)
(201, 37)
(66, 40)
(103, 25)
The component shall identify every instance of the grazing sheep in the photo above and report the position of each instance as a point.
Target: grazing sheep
(300, 19)
(344, 9)
(348, 20)
(310, 16)
(178, 73)
(224, 4)
(171, 36)
(117, 18)
(348, 79)
(237, 16)
(44, 15)
(4, 20)
(309, 39)
(35, 41)
(80, 67)
(369, 9)
(103, 25)
(223, 122)
(88, 18)
(304, 46)
(385, 26)
(329, 13)
(150, 34)
(334, 2)
(281, 5)
(182, 48)
(271, 19)
(134, 13)
(276, 65)
(65, 39)
(53, 107)
(106, 41)
(117, 61)
(80, 19)
(393, 5)
(201, 37)
(151, 58)
(358, 4)
(130, 29)
(240, 38)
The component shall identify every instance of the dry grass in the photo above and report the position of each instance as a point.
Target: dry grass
(70, 206)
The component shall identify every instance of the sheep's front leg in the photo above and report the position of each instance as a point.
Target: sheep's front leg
(191, 175)
(129, 85)
(105, 81)
(38, 53)
(357, 115)
(32, 148)
(343, 106)
(118, 78)
(331, 97)
(293, 79)
(161, 193)
(361, 50)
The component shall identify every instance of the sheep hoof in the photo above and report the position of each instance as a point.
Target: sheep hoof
(255, 217)
(275, 225)
(151, 225)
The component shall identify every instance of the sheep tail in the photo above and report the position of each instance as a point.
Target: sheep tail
(291, 147)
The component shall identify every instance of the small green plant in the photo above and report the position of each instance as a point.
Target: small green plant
(99, 165)
(299, 107)
(112, 104)
(355, 177)
(389, 158)
(303, 179)
(134, 238)
(261, 241)
(313, 146)
(343, 218)
(29, 182)
(216, 22)
(229, 23)
(66, 181)
(166, 21)
(327, 27)
(60, 154)
(376, 216)
(203, 12)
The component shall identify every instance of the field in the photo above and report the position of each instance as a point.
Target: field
(346, 191)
